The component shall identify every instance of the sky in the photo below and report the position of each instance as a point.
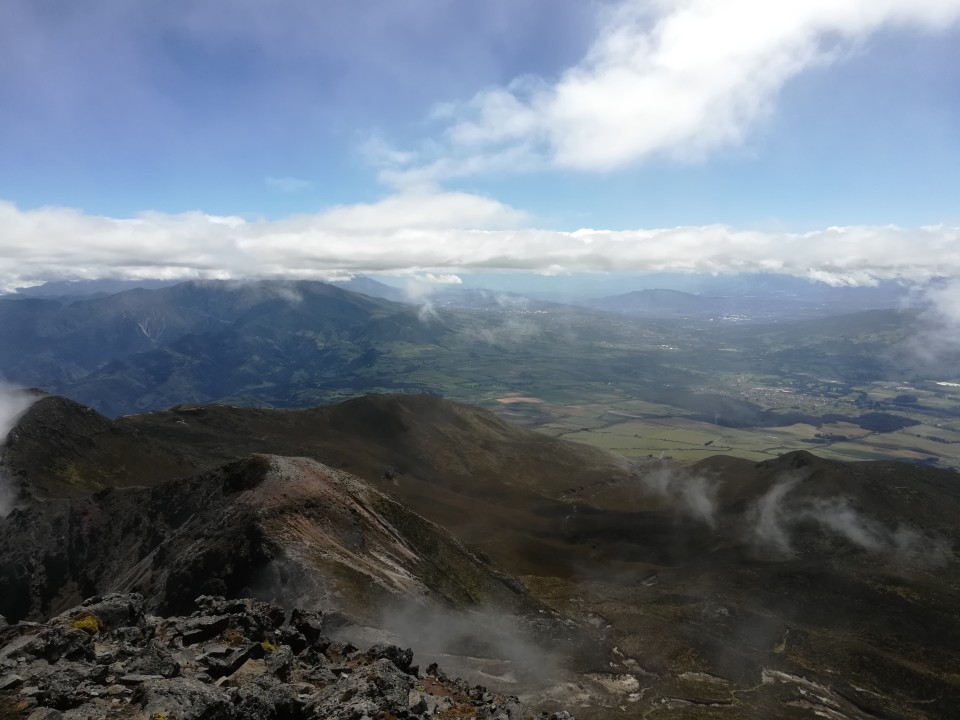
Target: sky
(443, 138)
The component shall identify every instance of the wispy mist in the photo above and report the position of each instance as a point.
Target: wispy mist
(769, 524)
(778, 517)
(936, 339)
(511, 322)
(491, 648)
(420, 288)
(692, 495)
(775, 522)
(13, 403)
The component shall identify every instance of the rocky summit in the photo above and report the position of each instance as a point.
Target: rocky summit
(234, 659)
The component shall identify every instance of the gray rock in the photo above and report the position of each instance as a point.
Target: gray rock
(511, 710)
(293, 638)
(8, 682)
(154, 660)
(45, 713)
(219, 605)
(57, 642)
(67, 684)
(22, 645)
(150, 671)
(373, 690)
(213, 651)
(136, 679)
(117, 610)
(231, 662)
(403, 659)
(184, 699)
(267, 698)
(279, 662)
(200, 629)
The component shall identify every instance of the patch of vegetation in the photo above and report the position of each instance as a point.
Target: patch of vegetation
(234, 637)
(884, 423)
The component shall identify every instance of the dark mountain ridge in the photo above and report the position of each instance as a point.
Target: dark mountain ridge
(735, 585)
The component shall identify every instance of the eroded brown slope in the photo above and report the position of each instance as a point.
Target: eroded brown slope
(273, 525)
(498, 484)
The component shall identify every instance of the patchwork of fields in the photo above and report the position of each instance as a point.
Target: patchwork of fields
(639, 429)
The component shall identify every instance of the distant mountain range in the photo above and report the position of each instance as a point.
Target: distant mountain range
(293, 344)
(88, 288)
(656, 303)
(758, 301)
(199, 341)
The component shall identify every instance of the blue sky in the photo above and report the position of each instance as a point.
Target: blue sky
(239, 137)
(175, 109)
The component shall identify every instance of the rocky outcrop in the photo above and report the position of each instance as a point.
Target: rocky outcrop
(228, 660)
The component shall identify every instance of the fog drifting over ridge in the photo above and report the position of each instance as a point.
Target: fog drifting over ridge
(442, 233)
(13, 403)
(775, 520)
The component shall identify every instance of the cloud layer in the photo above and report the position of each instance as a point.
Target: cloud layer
(679, 78)
(441, 233)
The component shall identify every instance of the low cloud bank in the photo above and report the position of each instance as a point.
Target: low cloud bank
(435, 235)
(13, 403)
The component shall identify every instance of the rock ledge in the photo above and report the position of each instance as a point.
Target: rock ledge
(242, 659)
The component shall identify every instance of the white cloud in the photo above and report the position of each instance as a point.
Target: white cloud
(287, 184)
(937, 335)
(680, 77)
(943, 304)
(416, 211)
(378, 151)
(442, 233)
